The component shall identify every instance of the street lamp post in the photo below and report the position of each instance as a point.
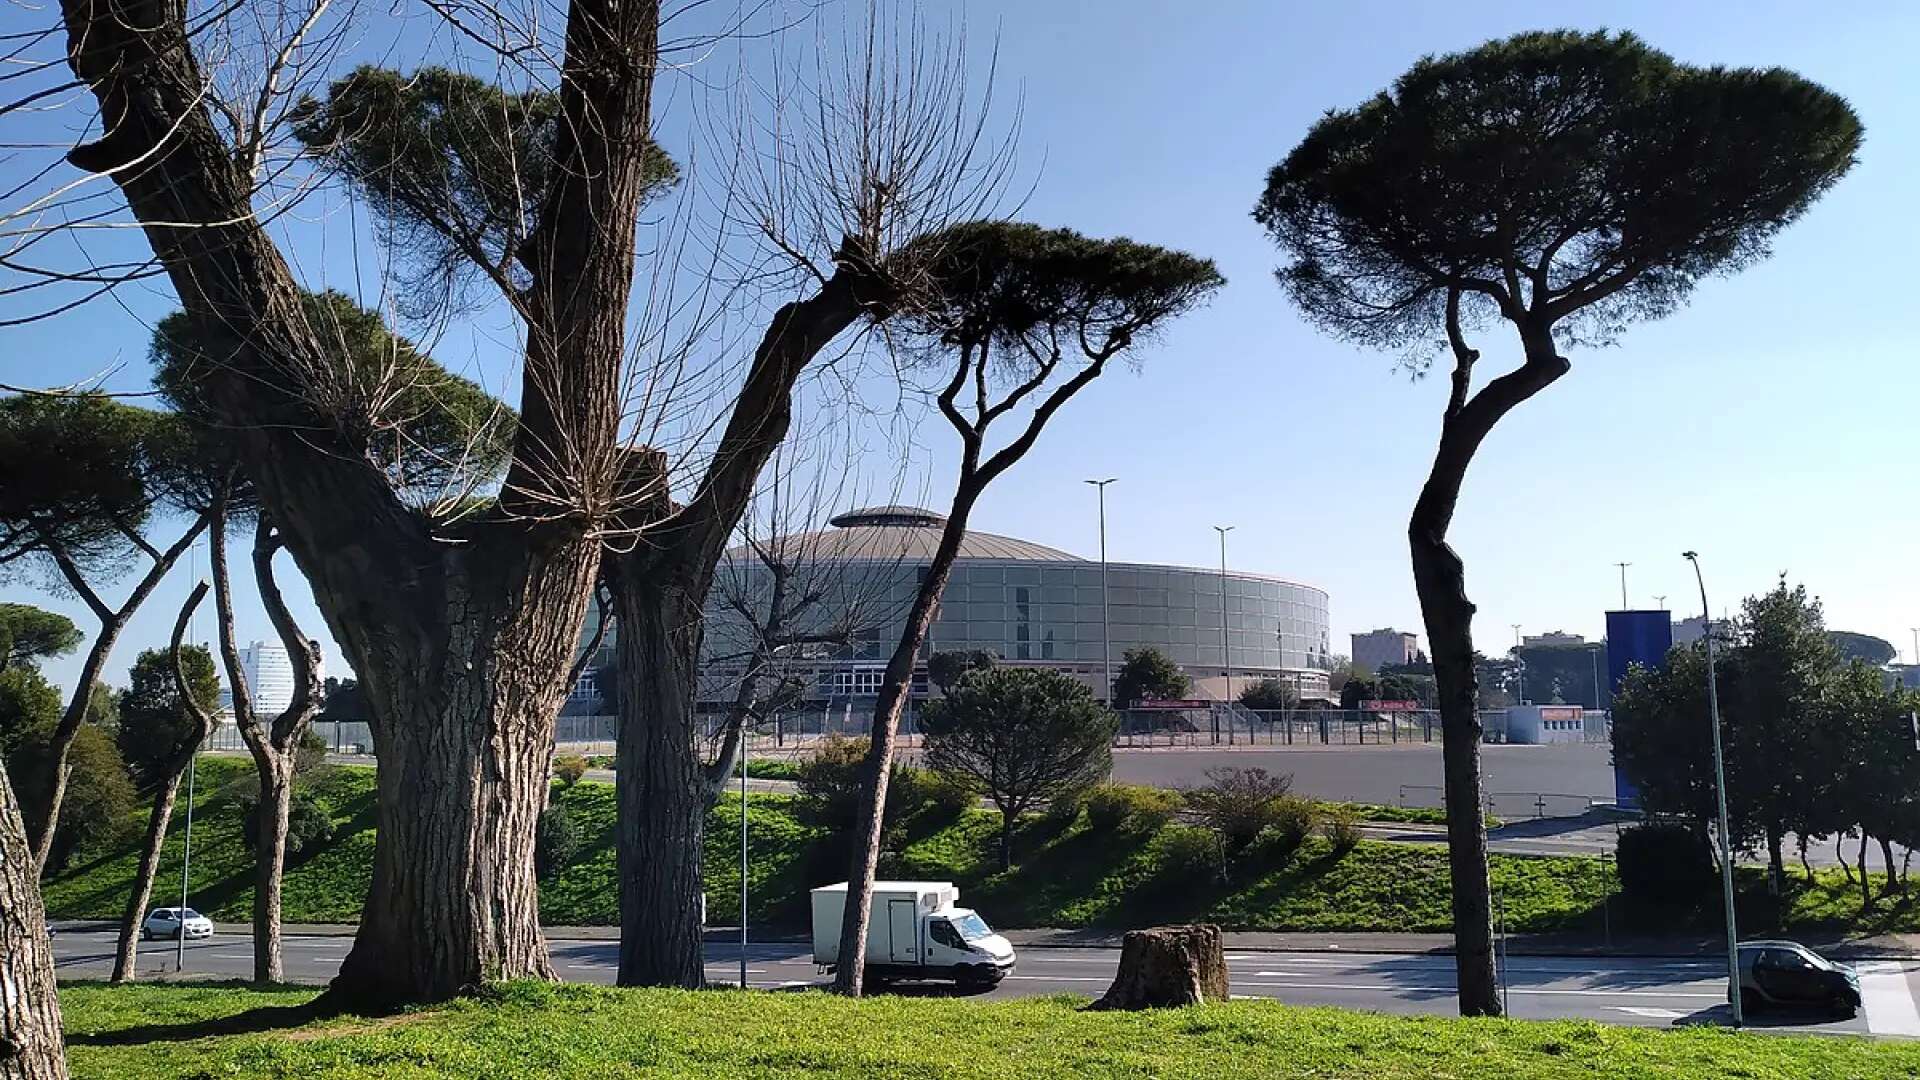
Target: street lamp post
(1660, 603)
(1720, 796)
(1226, 656)
(1623, 583)
(1519, 669)
(1106, 622)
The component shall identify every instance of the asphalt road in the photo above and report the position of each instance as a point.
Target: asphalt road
(1622, 990)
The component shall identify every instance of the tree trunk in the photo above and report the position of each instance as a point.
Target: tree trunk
(30, 1037)
(1840, 856)
(1776, 861)
(1804, 864)
(1439, 578)
(112, 622)
(269, 867)
(126, 957)
(1006, 838)
(659, 779)
(870, 819)
(1168, 966)
(463, 729)
(660, 592)
(1886, 852)
(1866, 878)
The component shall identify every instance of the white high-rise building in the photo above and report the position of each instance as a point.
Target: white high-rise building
(269, 675)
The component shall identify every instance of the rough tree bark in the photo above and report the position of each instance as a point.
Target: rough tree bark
(1167, 967)
(112, 622)
(849, 974)
(660, 589)
(1440, 580)
(272, 747)
(30, 1040)
(126, 957)
(896, 681)
(460, 642)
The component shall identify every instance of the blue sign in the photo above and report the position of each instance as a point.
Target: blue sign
(1634, 637)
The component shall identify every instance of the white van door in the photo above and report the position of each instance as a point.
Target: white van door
(903, 922)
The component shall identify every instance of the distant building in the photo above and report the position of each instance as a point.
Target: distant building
(1552, 639)
(1379, 648)
(1688, 631)
(269, 676)
(1906, 675)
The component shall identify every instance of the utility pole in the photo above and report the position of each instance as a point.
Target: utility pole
(1916, 645)
(1720, 795)
(1660, 603)
(744, 744)
(1106, 621)
(1226, 657)
(1623, 583)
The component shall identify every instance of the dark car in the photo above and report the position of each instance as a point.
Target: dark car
(1786, 974)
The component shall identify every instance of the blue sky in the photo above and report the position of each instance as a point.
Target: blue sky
(1767, 424)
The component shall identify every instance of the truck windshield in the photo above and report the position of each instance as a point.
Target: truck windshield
(972, 927)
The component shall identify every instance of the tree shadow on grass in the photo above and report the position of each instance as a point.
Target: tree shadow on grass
(254, 1021)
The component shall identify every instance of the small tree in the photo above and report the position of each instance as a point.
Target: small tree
(29, 635)
(96, 778)
(1147, 674)
(946, 669)
(1021, 736)
(82, 477)
(1004, 308)
(1235, 803)
(1269, 695)
(166, 712)
(1565, 184)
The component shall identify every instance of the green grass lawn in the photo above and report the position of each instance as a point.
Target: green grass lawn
(1066, 875)
(531, 1030)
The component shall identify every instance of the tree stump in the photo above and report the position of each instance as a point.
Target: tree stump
(1168, 966)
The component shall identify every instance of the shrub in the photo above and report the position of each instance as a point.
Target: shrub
(1665, 864)
(308, 823)
(100, 799)
(1188, 853)
(1293, 820)
(1235, 804)
(828, 782)
(309, 753)
(1064, 810)
(915, 792)
(1340, 824)
(569, 768)
(555, 841)
(1134, 806)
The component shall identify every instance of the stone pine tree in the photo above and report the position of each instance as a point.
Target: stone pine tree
(1020, 736)
(1022, 318)
(1563, 184)
(29, 635)
(84, 481)
(460, 633)
(161, 729)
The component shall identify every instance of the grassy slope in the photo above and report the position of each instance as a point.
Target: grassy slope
(572, 1031)
(1066, 877)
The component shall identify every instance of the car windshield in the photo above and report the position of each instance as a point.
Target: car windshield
(1817, 960)
(972, 927)
(191, 914)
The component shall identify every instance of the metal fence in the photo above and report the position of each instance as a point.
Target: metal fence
(1220, 725)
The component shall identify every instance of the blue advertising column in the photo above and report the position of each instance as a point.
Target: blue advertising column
(1634, 637)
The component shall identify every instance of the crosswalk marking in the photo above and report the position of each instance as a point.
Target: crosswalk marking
(1887, 999)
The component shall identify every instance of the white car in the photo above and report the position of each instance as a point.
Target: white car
(167, 922)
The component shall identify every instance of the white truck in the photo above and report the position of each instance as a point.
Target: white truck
(916, 931)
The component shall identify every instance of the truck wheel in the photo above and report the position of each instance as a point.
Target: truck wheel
(978, 977)
(874, 980)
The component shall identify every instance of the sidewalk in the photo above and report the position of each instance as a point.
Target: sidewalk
(1880, 947)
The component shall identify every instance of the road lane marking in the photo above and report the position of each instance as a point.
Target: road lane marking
(1649, 1013)
(1887, 999)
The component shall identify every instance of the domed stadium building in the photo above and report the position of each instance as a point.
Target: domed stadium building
(846, 591)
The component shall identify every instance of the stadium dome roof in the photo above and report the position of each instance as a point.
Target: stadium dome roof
(906, 534)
